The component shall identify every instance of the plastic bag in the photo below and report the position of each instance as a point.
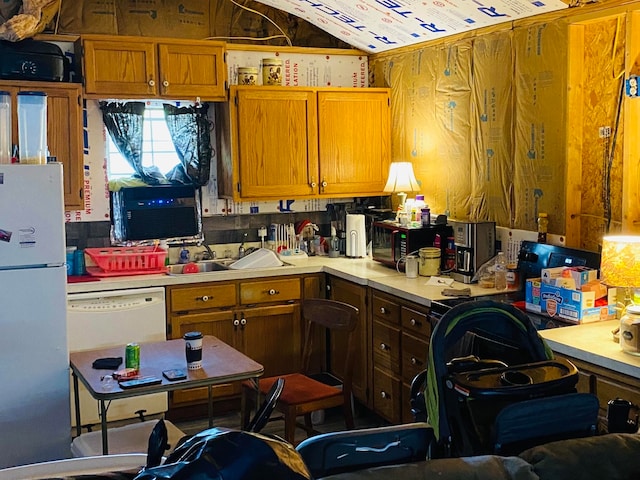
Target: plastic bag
(220, 454)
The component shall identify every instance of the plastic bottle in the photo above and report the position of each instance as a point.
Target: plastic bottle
(164, 245)
(543, 223)
(334, 244)
(501, 271)
(184, 255)
(425, 217)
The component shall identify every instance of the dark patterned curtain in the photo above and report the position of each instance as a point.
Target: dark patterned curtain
(124, 122)
(190, 132)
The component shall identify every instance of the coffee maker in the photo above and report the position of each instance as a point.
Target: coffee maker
(475, 243)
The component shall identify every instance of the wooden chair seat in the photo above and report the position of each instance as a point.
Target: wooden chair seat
(301, 394)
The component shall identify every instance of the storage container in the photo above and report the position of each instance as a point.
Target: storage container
(271, 71)
(5, 127)
(32, 127)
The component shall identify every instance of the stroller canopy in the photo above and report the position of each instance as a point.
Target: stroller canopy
(486, 329)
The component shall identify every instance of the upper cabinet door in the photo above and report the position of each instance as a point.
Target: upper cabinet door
(192, 71)
(274, 131)
(119, 68)
(353, 141)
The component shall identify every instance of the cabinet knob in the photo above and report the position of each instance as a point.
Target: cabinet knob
(165, 83)
(384, 394)
(383, 310)
(414, 360)
(204, 298)
(414, 322)
(243, 321)
(312, 184)
(384, 346)
(152, 83)
(323, 183)
(236, 322)
(273, 291)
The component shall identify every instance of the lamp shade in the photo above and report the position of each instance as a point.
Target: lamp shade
(401, 178)
(620, 262)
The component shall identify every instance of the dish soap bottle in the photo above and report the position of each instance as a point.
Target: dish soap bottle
(184, 255)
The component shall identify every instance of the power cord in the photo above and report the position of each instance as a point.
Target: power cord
(284, 35)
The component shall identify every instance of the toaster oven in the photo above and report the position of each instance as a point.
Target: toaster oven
(391, 242)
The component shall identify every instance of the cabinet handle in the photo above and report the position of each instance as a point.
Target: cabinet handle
(152, 82)
(385, 347)
(383, 310)
(414, 322)
(205, 298)
(165, 83)
(384, 394)
(273, 291)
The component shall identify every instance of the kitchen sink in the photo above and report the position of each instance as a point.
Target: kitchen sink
(204, 266)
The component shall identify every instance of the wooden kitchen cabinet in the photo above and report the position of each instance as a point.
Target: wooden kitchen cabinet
(356, 295)
(64, 131)
(141, 67)
(260, 318)
(606, 385)
(400, 346)
(304, 142)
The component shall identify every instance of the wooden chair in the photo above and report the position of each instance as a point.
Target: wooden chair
(302, 394)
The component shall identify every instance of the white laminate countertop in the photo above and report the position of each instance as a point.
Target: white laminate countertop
(593, 343)
(362, 271)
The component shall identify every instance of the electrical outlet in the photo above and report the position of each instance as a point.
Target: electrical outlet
(631, 86)
(605, 132)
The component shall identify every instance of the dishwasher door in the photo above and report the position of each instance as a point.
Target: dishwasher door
(109, 319)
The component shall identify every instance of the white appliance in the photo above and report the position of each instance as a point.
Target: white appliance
(109, 319)
(34, 379)
(356, 236)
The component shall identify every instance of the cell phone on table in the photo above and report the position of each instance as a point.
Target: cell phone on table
(139, 382)
(174, 374)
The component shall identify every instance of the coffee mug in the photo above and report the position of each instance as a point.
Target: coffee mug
(193, 350)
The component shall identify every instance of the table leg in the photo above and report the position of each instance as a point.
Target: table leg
(76, 394)
(210, 405)
(103, 422)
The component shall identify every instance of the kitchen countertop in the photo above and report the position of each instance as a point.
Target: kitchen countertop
(362, 271)
(590, 343)
(593, 343)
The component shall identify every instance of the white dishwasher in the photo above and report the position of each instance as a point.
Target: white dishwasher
(112, 318)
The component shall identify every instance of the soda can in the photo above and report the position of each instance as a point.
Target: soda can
(132, 356)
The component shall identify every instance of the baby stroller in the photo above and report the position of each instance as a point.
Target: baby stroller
(493, 386)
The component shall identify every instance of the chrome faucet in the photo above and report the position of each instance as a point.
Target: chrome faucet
(208, 254)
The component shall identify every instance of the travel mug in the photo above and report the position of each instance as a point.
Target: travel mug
(193, 350)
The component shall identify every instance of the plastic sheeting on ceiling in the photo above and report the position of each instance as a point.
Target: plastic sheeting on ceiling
(379, 25)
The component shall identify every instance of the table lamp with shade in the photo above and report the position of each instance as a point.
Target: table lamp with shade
(401, 180)
(620, 267)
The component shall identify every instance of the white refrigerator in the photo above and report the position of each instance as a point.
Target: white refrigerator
(34, 364)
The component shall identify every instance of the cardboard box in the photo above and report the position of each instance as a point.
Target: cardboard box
(571, 305)
(577, 276)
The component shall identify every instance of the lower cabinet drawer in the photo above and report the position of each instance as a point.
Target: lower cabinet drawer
(414, 356)
(270, 290)
(386, 346)
(387, 395)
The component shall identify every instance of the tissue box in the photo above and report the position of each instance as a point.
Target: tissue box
(571, 305)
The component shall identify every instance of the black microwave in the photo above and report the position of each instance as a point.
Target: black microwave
(391, 242)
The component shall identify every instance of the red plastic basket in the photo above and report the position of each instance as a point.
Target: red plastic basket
(128, 259)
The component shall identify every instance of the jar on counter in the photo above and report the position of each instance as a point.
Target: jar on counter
(411, 266)
(429, 261)
(630, 330)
